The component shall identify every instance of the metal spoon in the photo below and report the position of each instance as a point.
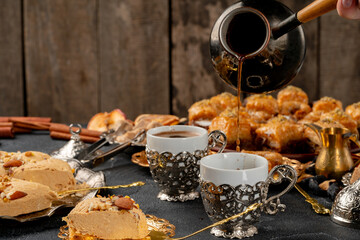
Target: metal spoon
(318, 208)
(134, 184)
(157, 235)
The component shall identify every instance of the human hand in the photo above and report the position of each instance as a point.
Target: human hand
(349, 9)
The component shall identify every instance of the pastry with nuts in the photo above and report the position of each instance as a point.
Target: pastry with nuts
(16, 159)
(38, 167)
(121, 215)
(52, 172)
(19, 197)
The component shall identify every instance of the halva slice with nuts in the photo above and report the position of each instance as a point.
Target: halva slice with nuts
(28, 156)
(54, 173)
(39, 167)
(19, 197)
(9, 160)
(113, 217)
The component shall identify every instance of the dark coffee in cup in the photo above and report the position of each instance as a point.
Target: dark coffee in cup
(177, 134)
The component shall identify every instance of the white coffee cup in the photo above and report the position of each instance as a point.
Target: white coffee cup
(174, 153)
(232, 182)
(233, 168)
(179, 144)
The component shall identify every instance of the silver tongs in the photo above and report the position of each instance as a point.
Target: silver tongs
(89, 151)
(91, 160)
(106, 137)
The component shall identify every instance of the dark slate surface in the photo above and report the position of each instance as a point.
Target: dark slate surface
(297, 222)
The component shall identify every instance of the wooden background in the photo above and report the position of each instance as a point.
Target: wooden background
(69, 59)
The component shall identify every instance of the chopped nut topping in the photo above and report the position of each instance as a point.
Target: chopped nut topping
(29, 154)
(4, 179)
(17, 195)
(124, 203)
(13, 163)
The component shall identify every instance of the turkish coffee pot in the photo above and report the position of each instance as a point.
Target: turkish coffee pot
(334, 158)
(267, 36)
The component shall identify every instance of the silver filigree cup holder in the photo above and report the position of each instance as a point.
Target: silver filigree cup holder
(223, 201)
(177, 175)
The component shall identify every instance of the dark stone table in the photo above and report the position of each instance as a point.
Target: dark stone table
(297, 222)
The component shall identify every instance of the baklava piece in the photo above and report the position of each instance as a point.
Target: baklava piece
(281, 134)
(353, 111)
(296, 110)
(326, 104)
(293, 101)
(223, 101)
(292, 94)
(312, 117)
(208, 109)
(228, 123)
(341, 117)
(261, 107)
(202, 111)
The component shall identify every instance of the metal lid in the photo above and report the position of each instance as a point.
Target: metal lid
(346, 207)
(71, 148)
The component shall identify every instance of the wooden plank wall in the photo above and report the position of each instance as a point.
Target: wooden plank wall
(11, 59)
(71, 59)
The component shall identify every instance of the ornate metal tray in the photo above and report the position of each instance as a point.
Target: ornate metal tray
(140, 159)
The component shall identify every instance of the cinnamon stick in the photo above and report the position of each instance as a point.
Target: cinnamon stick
(58, 127)
(4, 119)
(27, 119)
(21, 130)
(15, 128)
(6, 132)
(67, 136)
(31, 119)
(31, 124)
(6, 124)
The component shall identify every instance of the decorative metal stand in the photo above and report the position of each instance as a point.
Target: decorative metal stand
(224, 201)
(178, 175)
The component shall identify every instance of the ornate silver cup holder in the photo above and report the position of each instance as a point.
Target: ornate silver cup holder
(224, 201)
(177, 175)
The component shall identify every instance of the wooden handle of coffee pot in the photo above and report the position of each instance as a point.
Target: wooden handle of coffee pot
(316, 9)
(311, 11)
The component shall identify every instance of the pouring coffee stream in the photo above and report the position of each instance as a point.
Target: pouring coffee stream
(251, 55)
(268, 37)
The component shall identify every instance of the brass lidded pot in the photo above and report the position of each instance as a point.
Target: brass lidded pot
(334, 158)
